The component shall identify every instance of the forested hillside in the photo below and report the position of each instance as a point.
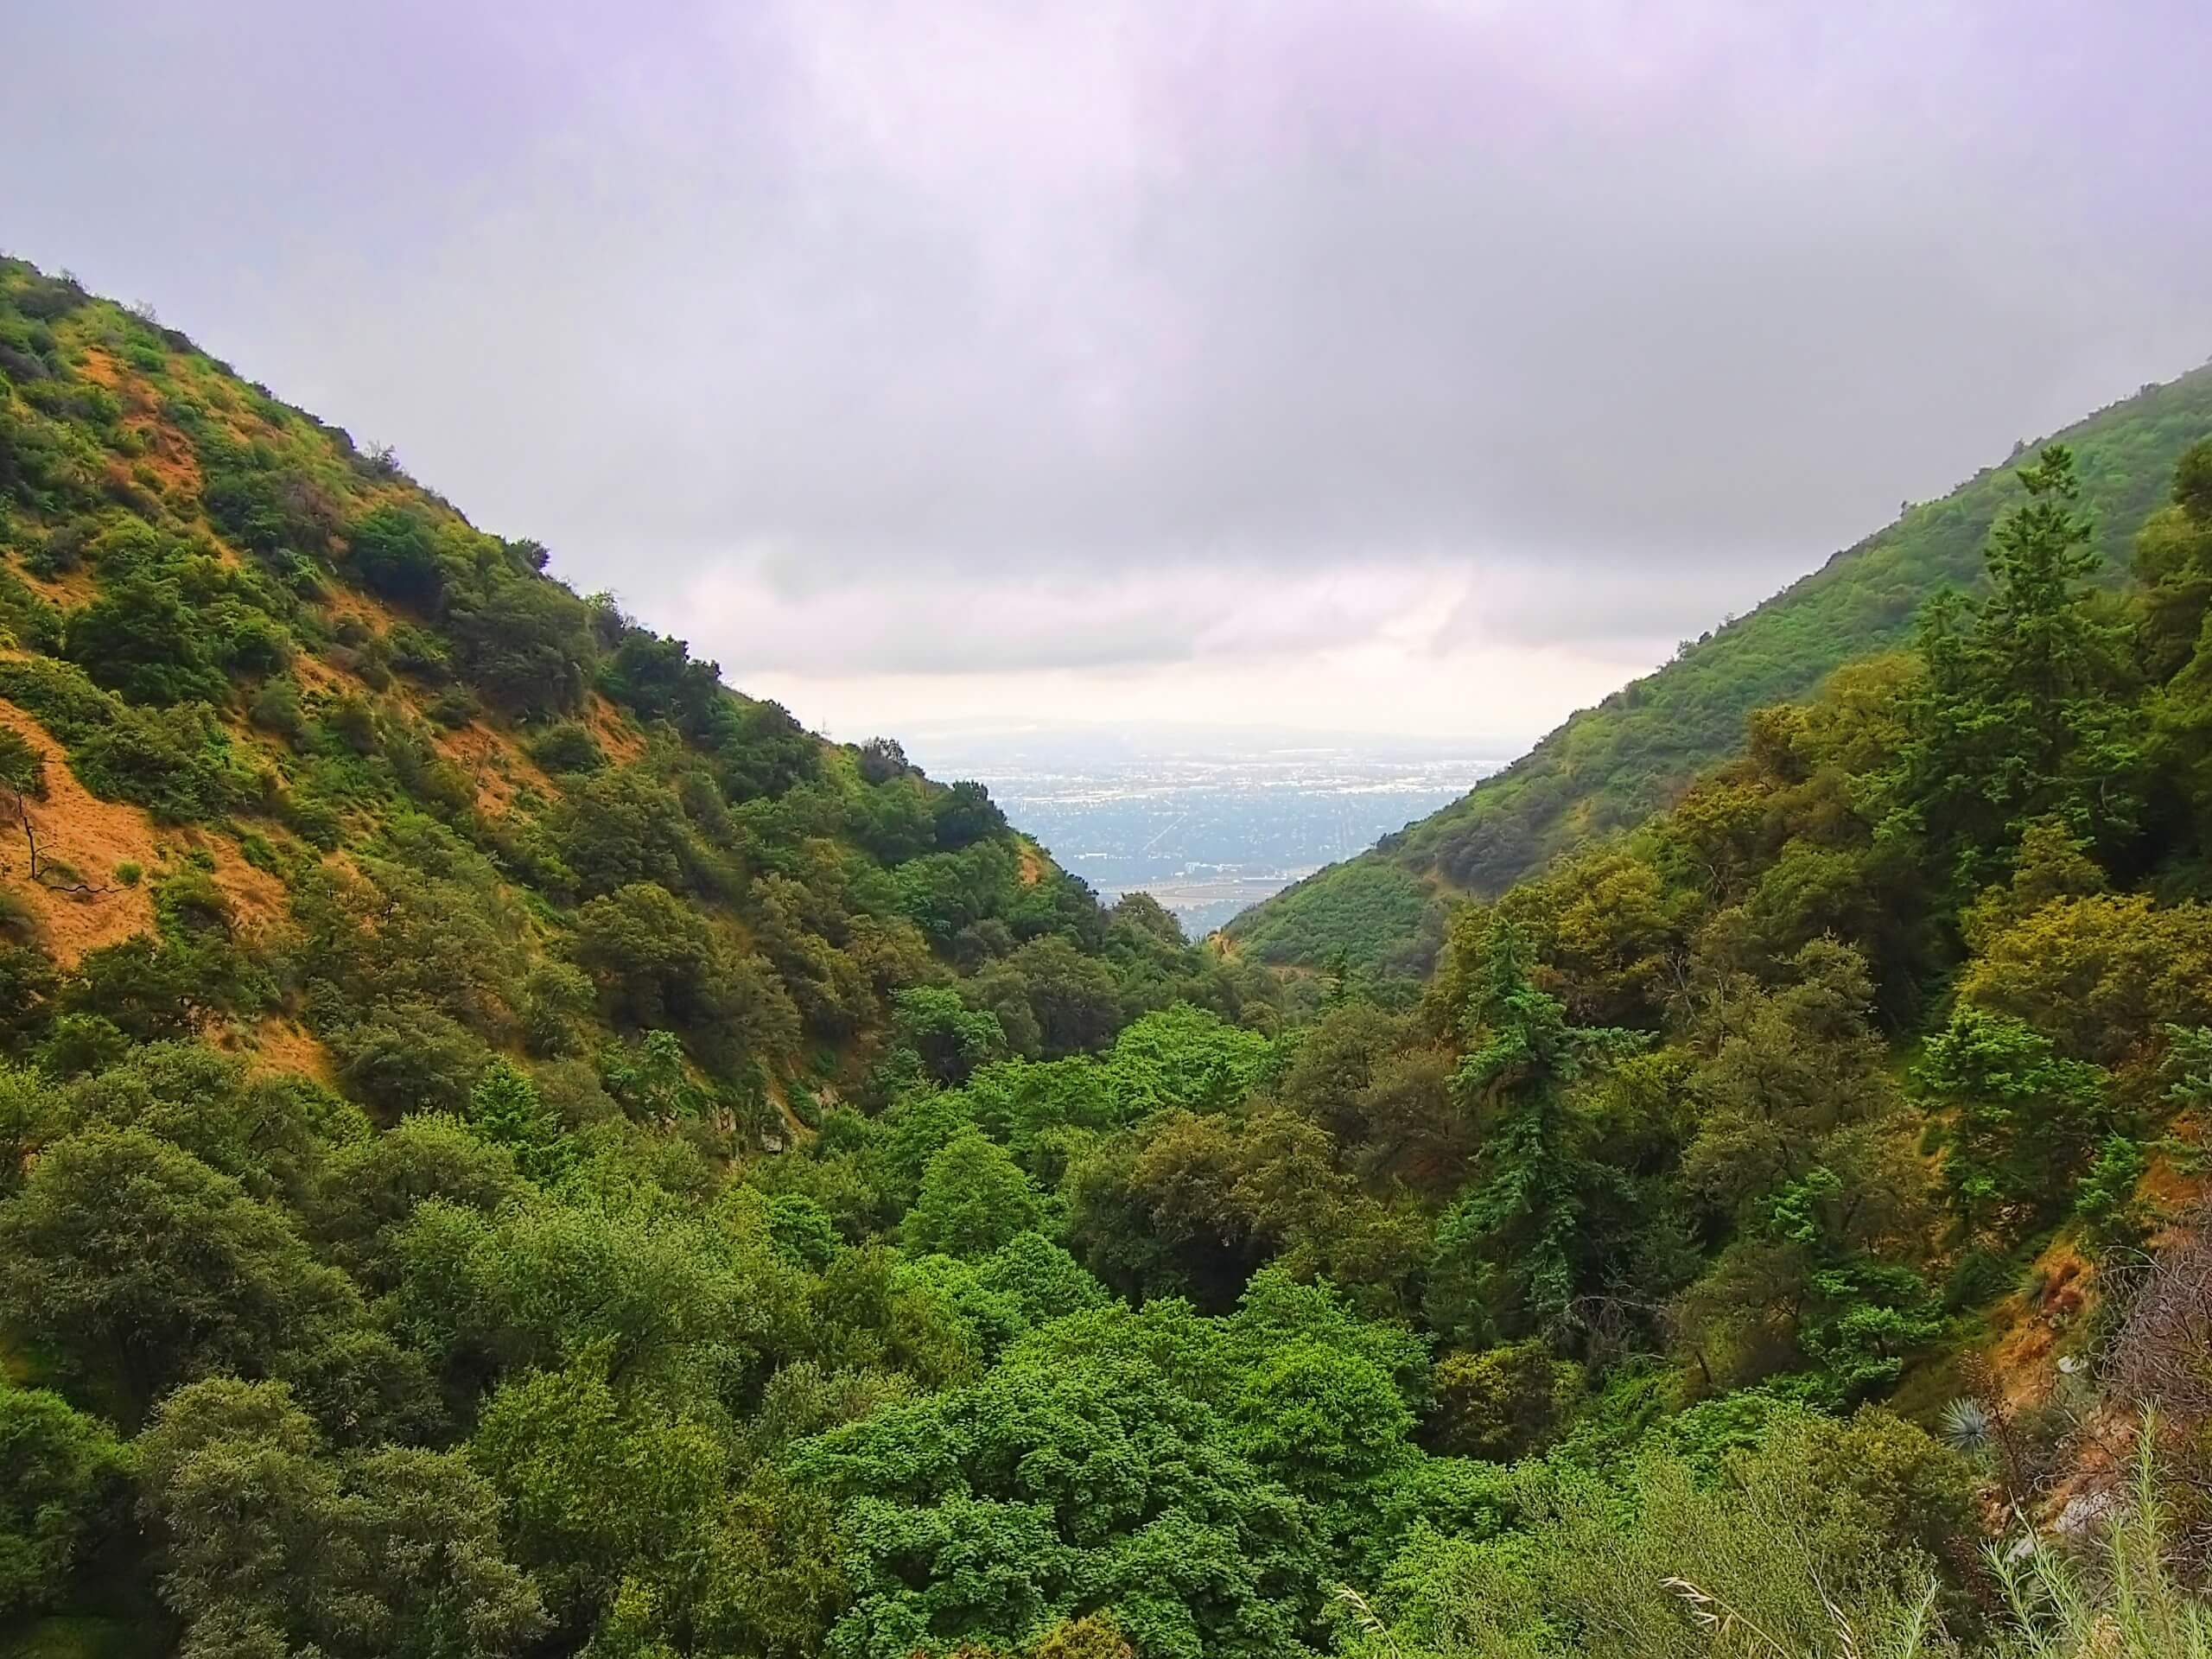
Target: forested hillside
(515, 1150)
(364, 785)
(329, 808)
(1608, 768)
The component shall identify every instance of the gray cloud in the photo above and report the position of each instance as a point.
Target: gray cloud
(1646, 607)
(861, 318)
(923, 623)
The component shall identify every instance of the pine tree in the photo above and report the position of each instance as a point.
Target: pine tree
(1509, 1251)
(2022, 712)
(505, 1108)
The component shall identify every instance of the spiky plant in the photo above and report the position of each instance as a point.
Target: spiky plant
(1966, 1425)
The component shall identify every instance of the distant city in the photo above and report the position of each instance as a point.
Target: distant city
(1209, 823)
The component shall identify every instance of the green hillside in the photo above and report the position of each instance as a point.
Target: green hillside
(510, 1149)
(1610, 767)
(324, 813)
(293, 689)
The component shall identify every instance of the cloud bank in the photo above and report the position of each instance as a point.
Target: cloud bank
(1420, 365)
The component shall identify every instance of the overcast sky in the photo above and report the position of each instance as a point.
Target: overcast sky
(1408, 365)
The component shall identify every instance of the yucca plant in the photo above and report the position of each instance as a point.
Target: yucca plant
(1966, 1425)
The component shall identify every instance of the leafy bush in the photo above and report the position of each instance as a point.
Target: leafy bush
(567, 746)
(527, 646)
(269, 508)
(178, 763)
(1504, 1404)
(63, 1476)
(137, 639)
(658, 965)
(277, 708)
(394, 550)
(409, 1056)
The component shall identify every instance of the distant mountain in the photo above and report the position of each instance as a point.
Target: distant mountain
(1611, 767)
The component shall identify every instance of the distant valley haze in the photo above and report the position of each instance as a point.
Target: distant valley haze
(1208, 820)
(1411, 369)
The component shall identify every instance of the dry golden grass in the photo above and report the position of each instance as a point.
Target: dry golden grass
(88, 836)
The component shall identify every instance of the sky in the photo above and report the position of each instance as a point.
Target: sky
(1424, 367)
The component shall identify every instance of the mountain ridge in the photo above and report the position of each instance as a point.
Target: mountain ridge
(1607, 766)
(239, 643)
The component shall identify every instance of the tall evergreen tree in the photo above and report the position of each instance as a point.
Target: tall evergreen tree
(2021, 713)
(1509, 1253)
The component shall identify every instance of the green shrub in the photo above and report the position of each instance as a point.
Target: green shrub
(409, 1056)
(61, 551)
(138, 639)
(454, 708)
(801, 1230)
(1979, 1277)
(276, 708)
(166, 989)
(177, 763)
(269, 509)
(81, 1043)
(23, 765)
(34, 622)
(63, 1482)
(352, 721)
(567, 746)
(1504, 1403)
(805, 1105)
(527, 646)
(313, 817)
(420, 653)
(395, 552)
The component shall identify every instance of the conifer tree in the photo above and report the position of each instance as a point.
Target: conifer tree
(1507, 1253)
(2020, 714)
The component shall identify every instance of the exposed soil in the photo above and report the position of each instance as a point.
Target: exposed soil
(68, 590)
(344, 602)
(76, 831)
(78, 901)
(258, 899)
(99, 367)
(281, 1044)
(621, 741)
(169, 457)
(495, 761)
(2025, 1356)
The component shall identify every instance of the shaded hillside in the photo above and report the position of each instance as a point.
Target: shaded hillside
(1610, 767)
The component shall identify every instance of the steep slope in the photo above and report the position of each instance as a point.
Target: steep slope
(360, 880)
(291, 746)
(1610, 767)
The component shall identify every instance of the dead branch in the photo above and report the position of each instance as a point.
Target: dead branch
(17, 805)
